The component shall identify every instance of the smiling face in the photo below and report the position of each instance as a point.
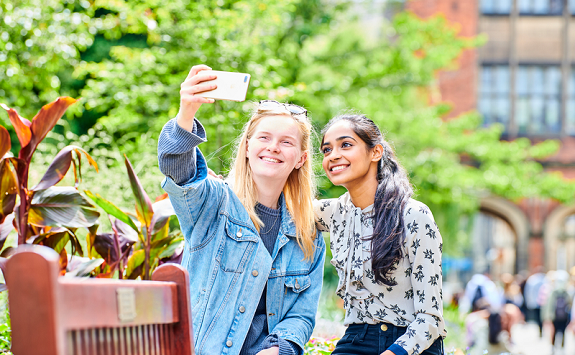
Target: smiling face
(274, 148)
(347, 160)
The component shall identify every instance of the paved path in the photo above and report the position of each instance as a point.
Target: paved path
(528, 342)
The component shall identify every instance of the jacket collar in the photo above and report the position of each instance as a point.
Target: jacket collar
(288, 226)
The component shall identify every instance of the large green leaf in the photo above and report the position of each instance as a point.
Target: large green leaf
(5, 143)
(82, 267)
(144, 207)
(60, 165)
(174, 245)
(61, 207)
(163, 210)
(5, 228)
(135, 262)
(111, 209)
(56, 239)
(8, 188)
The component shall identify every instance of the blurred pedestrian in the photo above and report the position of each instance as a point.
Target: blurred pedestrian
(557, 307)
(532, 288)
(511, 290)
(489, 331)
(478, 287)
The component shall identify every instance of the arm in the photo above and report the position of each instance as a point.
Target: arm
(298, 323)
(177, 153)
(424, 247)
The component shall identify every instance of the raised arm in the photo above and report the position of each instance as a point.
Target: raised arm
(177, 153)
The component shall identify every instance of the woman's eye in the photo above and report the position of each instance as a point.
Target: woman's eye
(288, 143)
(263, 137)
(346, 145)
(326, 150)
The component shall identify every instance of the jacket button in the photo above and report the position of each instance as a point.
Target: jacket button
(242, 309)
(229, 343)
(296, 285)
(255, 273)
(384, 327)
(239, 233)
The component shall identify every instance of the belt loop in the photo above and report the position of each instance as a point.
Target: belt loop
(363, 332)
(361, 335)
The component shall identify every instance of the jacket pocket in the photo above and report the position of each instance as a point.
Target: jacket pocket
(297, 283)
(236, 248)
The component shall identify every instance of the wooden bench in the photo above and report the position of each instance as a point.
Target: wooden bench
(55, 315)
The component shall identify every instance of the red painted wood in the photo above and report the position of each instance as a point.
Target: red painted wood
(54, 315)
(183, 338)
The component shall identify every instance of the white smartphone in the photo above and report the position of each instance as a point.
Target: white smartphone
(231, 86)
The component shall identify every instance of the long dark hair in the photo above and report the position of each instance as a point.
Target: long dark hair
(393, 192)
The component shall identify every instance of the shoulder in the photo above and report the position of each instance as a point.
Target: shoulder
(415, 209)
(418, 219)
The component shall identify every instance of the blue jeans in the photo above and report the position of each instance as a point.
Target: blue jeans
(371, 339)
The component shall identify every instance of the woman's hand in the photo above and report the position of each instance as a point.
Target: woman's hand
(274, 350)
(189, 102)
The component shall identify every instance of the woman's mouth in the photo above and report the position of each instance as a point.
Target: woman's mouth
(338, 168)
(271, 160)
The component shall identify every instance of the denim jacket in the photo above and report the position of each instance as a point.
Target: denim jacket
(227, 260)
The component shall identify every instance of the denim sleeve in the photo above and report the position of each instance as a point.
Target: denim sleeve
(177, 152)
(298, 323)
(286, 347)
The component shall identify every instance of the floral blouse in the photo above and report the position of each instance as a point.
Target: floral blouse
(416, 301)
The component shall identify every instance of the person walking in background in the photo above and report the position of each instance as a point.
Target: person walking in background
(511, 290)
(532, 288)
(253, 251)
(480, 286)
(557, 307)
(386, 246)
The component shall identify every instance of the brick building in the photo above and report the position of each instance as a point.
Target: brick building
(524, 78)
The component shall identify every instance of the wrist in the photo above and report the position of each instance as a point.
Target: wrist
(185, 121)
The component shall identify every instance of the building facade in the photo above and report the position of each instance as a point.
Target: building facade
(524, 78)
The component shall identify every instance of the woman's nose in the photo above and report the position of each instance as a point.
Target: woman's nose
(273, 146)
(335, 155)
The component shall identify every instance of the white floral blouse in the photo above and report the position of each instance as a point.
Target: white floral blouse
(416, 301)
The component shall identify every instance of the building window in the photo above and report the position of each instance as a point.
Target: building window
(537, 99)
(496, 7)
(538, 102)
(494, 94)
(526, 7)
(540, 7)
(570, 119)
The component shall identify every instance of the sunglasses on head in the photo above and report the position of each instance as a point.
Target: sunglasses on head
(295, 110)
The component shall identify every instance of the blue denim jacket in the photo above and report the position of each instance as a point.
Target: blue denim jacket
(229, 264)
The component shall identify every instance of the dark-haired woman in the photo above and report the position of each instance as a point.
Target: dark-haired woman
(385, 245)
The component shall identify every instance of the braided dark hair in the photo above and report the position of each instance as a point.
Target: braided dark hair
(393, 192)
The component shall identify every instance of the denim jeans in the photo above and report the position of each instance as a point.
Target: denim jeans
(370, 339)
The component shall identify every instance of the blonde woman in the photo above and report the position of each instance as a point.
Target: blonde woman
(254, 255)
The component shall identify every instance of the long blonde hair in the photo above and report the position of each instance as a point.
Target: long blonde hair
(299, 189)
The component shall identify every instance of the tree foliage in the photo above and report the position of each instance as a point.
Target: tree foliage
(127, 59)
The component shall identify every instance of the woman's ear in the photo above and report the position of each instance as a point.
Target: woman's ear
(377, 153)
(301, 161)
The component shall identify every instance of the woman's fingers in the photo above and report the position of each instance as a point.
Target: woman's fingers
(197, 88)
(191, 99)
(196, 69)
(196, 79)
